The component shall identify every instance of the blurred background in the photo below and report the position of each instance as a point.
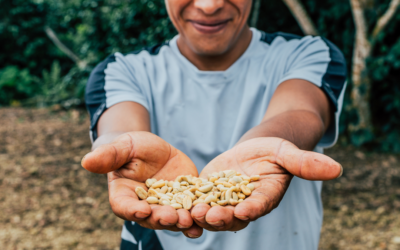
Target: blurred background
(49, 47)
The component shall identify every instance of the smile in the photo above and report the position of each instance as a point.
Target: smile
(209, 27)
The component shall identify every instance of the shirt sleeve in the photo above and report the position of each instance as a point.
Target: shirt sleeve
(112, 81)
(320, 62)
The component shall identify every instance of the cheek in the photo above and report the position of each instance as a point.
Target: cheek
(243, 6)
(175, 9)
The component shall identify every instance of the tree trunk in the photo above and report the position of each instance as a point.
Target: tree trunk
(301, 16)
(54, 38)
(360, 93)
(361, 83)
(256, 12)
(363, 46)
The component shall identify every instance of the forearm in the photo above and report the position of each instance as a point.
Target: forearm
(302, 128)
(120, 119)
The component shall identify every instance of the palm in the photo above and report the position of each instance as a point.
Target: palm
(276, 161)
(129, 161)
(255, 159)
(152, 157)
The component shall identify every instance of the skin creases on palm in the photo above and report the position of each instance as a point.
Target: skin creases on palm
(138, 156)
(149, 156)
(254, 159)
(123, 182)
(276, 161)
(140, 170)
(130, 160)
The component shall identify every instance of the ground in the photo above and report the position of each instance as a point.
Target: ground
(47, 201)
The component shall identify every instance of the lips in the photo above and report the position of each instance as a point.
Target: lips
(209, 27)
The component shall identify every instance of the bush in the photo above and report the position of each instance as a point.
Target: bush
(35, 72)
(16, 84)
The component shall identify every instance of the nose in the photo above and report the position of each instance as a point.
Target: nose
(209, 7)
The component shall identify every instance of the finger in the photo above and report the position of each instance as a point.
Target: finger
(184, 219)
(199, 212)
(138, 145)
(306, 164)
(109, 157)
(193, 232)
(163, 217)
(124, 201)
(261, 202)
(199, 216)
(223, 219)
(239, 225)
(220, 217)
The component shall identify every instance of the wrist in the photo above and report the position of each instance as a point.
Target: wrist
(302, 128)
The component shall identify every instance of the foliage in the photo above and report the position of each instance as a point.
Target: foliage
(92, 29)
(16, 84)
(64, 90)
(35, 72)
(334, 20)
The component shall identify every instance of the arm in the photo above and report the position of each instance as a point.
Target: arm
(131, 117)
(299, 112)
(297, 117)
(129, 154)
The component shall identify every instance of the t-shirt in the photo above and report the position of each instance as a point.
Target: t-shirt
(205, 113)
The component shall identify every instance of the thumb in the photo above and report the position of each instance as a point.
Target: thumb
(306, 164)
(109, 157)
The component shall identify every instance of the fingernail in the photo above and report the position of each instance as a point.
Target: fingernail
(164, 223)
(141, 215)
(193, 236)
(199, 218)
(242, 217)
(84, 158)
(180, 226)
(217, 223)
(341, 171)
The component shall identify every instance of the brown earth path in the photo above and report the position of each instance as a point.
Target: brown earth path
(47, 201)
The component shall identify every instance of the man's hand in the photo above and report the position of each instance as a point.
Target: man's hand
(276, 161)
(130, 160)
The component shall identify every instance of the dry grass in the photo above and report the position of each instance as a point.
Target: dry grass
(48, 201)
(362, 208)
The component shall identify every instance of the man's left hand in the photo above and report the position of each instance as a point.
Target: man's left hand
(276, 161)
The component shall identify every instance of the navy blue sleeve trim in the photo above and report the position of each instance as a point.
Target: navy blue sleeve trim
(95, 96)
(153, 50)
(147, 237)
(270, 37)
(335, 76)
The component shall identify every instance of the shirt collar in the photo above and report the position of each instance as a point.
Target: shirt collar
(217, 75)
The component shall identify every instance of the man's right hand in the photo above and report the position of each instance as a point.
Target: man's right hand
(129, 161)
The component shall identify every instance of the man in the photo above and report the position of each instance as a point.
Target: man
(219, 96)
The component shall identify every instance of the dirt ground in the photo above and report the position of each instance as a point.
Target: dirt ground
(47, 201)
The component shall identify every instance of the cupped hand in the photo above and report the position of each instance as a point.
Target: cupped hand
(129, 161)
(276, 161)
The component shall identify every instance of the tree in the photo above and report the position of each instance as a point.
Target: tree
(256, 11)
(363, 47)
(301, 16)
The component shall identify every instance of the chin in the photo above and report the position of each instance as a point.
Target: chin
(210, 48)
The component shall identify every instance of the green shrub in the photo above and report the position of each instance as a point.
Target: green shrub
(16, 84)
(35, 72)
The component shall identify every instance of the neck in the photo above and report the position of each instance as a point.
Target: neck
(218, 62)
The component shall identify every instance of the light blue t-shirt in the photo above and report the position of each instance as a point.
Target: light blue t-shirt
(204, 113)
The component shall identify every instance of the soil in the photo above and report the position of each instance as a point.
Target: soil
(47, 201)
